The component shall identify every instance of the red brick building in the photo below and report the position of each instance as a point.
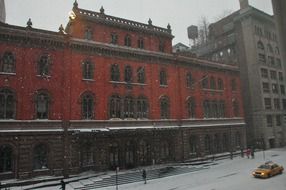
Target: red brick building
(109, 92)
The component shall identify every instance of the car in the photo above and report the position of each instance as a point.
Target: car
(267, 170)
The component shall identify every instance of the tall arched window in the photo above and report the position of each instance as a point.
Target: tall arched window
(220, 84)
(115, 73)
(161, 45)
(40, 154)
(212, 83)
(127, 40)
(128, 107)
(129, 153)
(87, 106)
(221, 109)
(165, 107)
(142, 107)
(128, 74)
(44, 65)
(189, 80)
(7, 104)
(6, 158)
(88, 33)
(207, 108)
(163, 77)
(8, 63)
(191, 106)
(235, 107)
(141, 43)
(42, 105)
(141, 75)
(115, 106)
(87, 69)
(113, 155)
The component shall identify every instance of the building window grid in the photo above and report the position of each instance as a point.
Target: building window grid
(269, 120)
(273, 75)
(268, 103)
(264, 73)
(265, 87)
(276, 102)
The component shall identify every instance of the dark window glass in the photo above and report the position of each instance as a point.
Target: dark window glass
(128, 74)
(7, 104)
(141, 43)
(161, 46)
(141, 75)
(127, 41)
(163, 77)
(113, 155)
(114, 38)
(87, 70)
(235, 108)
(115, 73)
(87, 106)
(260, 45)
(165, 108)
(189, 80)
(191, 105)
(207, 144)
(8, 63)
(42, 105)
(6, 158)
(142, 108)
(115, 107)
(264, 73)
(278, 120)
(44, 66)
(194, 144)
(40, 154)
(212, 83)
(88, 34)
(86, 154)
(220, 84)
(205, 82)
(269, 121)
(128, 107)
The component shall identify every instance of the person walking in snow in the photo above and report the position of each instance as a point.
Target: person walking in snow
(144, 176)
(248, 153)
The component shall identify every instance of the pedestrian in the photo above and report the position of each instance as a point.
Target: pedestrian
(252, 153)
(144, 176)
(248, 152)
(63, 185)
(231, 155)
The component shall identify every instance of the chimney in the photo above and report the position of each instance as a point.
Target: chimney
(243, 4)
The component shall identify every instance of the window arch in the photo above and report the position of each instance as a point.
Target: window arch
(142, 107)
(189, 80)
(191, 107)
(42, 105)
(212, 83)
(220, 84)
(87, 106)
(128, 74)
(115, 106)
(115, 72)
(128, 107)
(7, 104)
(127, 40)
(260, 45)
(165, 107)
(44, 65)
(40, 157)
(163, 77)
(141, 75)
(87, 69)
(6, 158)
(8, 63)
(141, 43)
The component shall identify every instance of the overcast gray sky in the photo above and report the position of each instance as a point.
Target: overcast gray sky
(49, 14)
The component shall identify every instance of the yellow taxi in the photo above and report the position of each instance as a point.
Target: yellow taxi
(267, 170)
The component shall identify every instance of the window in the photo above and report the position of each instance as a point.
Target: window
(86, 154)
(191, 107)
(233, 85)
(164, 150)
(44, 65)
(212, 83)
(278, 120)
(261, 58)
(221, 109)
(6, 158)
(42, 105)
(277, 51)
(115, 73)
(273, 75)
(270, 49)
(216, 143)
(264, 73)
(165, 107)
(141, 75)
(127, 41)
(142, 107)
(237, 139)
(276, 103)
(280, 74)
(267, 103)
(220, 84)
(194, 143)
(114, 38)
(284, 104)
(275, 88)
(278, 63)
(7, 104)
(205, 82)
(8, 63)
(269, 121)
(141, 43)
(128, 74)
(129, 153)
(161, 46)
(225, 142)
(128, 107)
(265, 87)
(113, 155)
(189, 80)
(87, 69)
(271, 60)
(88, 34)
(260, 45)
(87, 106)
(235, 108)
(282, 89)
(115, 107)
(163, 77)
(207, 144)
(207, 109)
(40, 154)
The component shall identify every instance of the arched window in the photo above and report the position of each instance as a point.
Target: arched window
(164, 150)
(113, 155)
(205, 82)
(165, 107)
(8, 63)
(142, 107)
(163, 77)
(260, 45)
(128, 74)
(44, 65)
(87, 69)
(128, 107)
(191, 106)
(6, 158)
(194, 144)
(212, 83)
(115, 107)
(87, 106)
(221, 109)
(235, 108)
(129, 153)
(115, 73)
(141, 43)
(189, 80)
(88, 33)
(127, 41)
(40, 154)
(207, 144)
(141, 75)
(220, 84)
(214, 109)
(42, 105)
(7, 104)
(207, 108)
